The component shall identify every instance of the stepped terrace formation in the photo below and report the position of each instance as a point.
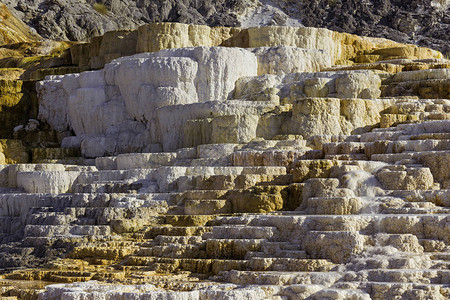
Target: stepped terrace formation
(187, 162)
(421, 22)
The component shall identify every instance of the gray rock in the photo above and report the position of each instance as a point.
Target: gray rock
(422, 22)
(81, 20)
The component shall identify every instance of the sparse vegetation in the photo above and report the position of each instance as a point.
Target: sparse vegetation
(60, 49)
(101, 8)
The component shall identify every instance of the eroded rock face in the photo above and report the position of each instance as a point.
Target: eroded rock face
(424, 22)
(18, 104)
(212, 94)
(389, 19)
(119, 102)
(344, 48)
(13, 30)
(82, 21)
(234, 173)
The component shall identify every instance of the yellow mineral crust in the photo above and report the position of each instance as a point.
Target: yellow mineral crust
(13, 30)
(12, 152)
(246, 177)
(344, 48)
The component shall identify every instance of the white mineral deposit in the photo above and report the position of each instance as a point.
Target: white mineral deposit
(230, 163)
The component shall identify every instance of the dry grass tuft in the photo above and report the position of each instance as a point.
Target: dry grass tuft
(101, 8)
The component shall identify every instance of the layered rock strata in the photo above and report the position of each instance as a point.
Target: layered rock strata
(31, 61)
(230, 173)
(344, 48)
(421, 22)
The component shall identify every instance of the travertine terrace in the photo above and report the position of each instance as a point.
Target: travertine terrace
(189, 162)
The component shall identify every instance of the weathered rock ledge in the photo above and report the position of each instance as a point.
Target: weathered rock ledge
(259, 170)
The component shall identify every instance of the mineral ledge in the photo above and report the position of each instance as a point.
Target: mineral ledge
(294, 163)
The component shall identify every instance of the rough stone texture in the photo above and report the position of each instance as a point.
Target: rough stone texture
(252, 179)
(18, 104)
(258, 200)
(54, 182)
(423, 22)
(286, 60)
(13, 30)
(120, 118)
(118, 97)
(344, 48)
(13, 151)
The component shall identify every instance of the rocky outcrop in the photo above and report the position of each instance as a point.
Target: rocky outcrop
(424, 22)
(13, 30)
(216, 90)
(36, 60)
(194, 85)
(18, 104)
(233, 173)
(72, 20)
(342, 48)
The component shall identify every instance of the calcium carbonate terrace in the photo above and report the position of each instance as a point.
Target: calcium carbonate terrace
(235, 173)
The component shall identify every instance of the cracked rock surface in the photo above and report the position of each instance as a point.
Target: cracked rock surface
(295, 163)
(422, 22)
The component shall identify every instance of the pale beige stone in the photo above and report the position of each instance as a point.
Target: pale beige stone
(52, 182)
(338, 246)
(334, 206)
(402, 178)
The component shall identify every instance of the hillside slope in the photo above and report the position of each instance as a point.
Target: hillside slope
(13, 30)
(423, 22)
